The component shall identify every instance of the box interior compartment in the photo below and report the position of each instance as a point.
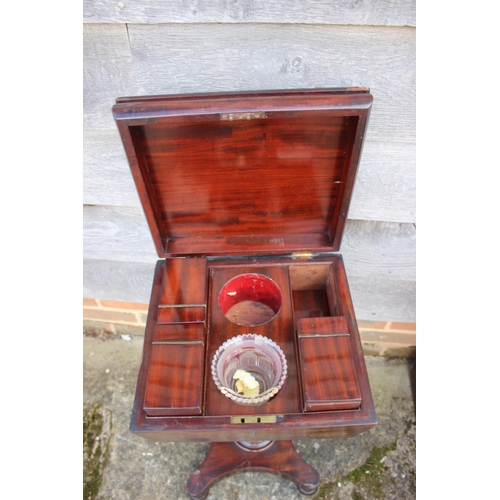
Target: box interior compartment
(183, 297)
(242, 299)
(322, 329)
(314, 291)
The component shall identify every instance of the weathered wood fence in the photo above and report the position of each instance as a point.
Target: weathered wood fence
(154, 47)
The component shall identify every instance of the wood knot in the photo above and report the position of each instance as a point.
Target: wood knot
(294, 66)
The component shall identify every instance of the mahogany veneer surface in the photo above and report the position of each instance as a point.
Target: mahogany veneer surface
(183, 297)
(175, 380)
(243, 173)
(329, 378)
(175, 374)
(279, 329)
(232, 183)
(181, 314)
(185, 282)
(299, 408)
(272, 153)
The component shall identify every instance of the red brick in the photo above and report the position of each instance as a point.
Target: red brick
(110, 316)
(132, 306)
(90, 303)
(403, 326)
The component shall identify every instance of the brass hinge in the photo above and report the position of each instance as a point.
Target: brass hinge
(242, 116)
(302, 255)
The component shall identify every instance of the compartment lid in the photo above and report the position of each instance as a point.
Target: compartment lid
(245, 173)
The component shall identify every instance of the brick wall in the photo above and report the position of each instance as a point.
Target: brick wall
(379, 338)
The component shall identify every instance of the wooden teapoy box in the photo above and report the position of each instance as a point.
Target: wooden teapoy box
(246, 196)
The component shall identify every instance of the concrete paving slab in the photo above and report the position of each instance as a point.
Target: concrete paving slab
(377, 464)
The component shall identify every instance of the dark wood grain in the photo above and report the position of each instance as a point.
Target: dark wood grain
(215, 185)
(384, 189)
(178, 332)
(310, 303)
(279, 329)
(183, 297)
(175, 375)
(175, 379)
(248, 244)
(277, 177)
(214, 423)
(314, 291)
(214, 96)
(168, 315)
(328, 374)
(185, 282)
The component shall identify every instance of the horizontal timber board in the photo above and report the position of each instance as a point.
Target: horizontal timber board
(108, 72)
(371, 249)
(120, 281)
(384, 250)
(385, 188)
(374, 299)
(184, 58)
(107, 179)
(370, 12)
(383, 300)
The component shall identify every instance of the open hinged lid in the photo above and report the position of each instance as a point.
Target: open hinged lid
(244, 173)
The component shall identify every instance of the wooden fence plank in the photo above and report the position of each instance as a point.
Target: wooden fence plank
(385, 187)
(117, 233)
(383, 250)
(374, 299)
(198, 58)
(383, 300)
(264, 45)
(106, 175)
(107, 72)
(121, 281)
(369, 12)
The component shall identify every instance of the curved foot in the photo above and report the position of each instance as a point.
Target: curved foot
(202, 496)
(307, 490)
(279, 457)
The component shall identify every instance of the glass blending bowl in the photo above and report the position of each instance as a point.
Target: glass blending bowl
(257, 355)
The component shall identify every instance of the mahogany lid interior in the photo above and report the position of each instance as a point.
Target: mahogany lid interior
(244, 173)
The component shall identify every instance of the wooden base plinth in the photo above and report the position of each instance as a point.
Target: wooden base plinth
(275, 457)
